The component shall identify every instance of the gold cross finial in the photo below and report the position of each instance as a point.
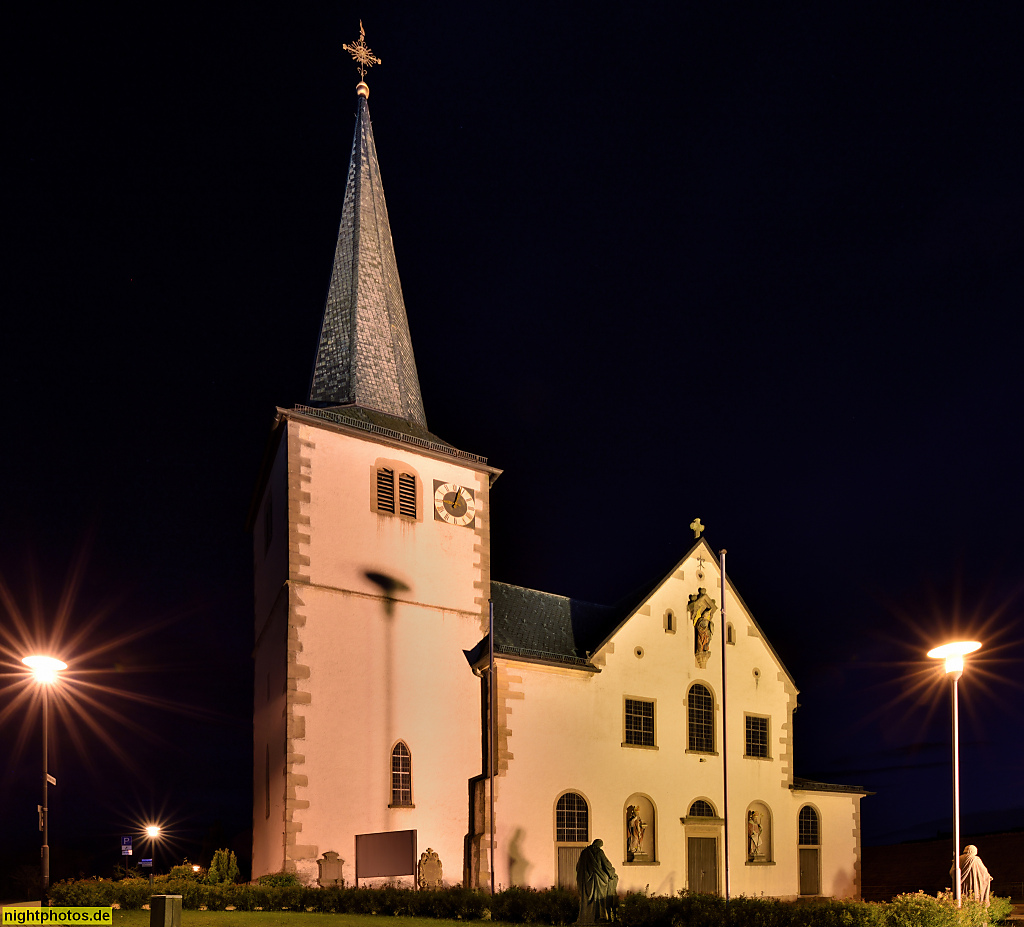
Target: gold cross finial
(696, 527)
(361, 52)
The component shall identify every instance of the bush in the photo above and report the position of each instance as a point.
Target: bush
(223, 868)
(183, 873)
(278, 879)
(921, 910)
(528, 906)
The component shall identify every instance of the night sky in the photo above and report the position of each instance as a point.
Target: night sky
(757, 263)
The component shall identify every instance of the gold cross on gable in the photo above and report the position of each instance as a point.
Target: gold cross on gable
(360, 51)
(696, 527)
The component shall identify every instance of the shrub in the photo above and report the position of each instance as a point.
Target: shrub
(278, 879)
(223, 867)
(183, 873)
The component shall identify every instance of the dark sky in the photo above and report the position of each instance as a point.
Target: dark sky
(760, 263)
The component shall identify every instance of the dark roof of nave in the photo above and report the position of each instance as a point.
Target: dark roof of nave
(365, 353)
(548, 627)
(811, 785)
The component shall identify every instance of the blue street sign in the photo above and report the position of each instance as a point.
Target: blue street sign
(126, 846)
(146, 863)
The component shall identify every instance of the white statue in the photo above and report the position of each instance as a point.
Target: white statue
(974, 877)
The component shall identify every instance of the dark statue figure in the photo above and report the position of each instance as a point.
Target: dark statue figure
(974, 877)
(597, 882)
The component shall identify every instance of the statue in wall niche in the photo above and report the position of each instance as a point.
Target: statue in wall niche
(330, 870)
(635, 830)
(754, 831)
(974, 877)
(430, 870)
(598, 884)
(702, 610)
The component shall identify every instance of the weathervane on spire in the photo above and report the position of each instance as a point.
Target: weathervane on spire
(362, 54)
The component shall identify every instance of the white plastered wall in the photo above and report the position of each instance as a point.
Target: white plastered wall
(380, 611)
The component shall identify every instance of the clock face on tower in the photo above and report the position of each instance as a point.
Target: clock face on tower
(454, 504)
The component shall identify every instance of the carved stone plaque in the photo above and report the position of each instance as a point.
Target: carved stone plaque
(430, 870)
(330, 869)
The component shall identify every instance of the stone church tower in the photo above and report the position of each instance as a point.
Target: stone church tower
(371, 559)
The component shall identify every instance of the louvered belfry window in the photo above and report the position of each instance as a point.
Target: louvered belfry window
(386, 490)
(407, 495)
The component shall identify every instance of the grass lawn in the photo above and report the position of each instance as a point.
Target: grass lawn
(280, 919)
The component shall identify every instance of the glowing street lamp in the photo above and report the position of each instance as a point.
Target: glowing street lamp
(45, 670)
(153, 832)
(953, 654)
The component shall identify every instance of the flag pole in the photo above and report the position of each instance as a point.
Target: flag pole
(725, 754)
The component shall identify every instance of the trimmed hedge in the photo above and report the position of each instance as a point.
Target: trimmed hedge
(555, 907)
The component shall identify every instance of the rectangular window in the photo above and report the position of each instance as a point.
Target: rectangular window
(386, 490)
(639, 722)
(756, 736)
(407, 495)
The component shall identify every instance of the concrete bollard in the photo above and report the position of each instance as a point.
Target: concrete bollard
(165, 911)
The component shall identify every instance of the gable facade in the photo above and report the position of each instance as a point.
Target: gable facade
(638, 730)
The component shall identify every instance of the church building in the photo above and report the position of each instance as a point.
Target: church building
(385, 705)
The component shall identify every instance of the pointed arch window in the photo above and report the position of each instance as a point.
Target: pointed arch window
(401, 776)
(700, 716)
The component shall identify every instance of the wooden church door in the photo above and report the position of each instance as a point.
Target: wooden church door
(809, 883)
(702, 865)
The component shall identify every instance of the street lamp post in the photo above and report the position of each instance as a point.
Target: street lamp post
(153, 832)
(45, 670)
(953, 654)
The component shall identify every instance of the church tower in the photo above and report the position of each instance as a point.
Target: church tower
(371, 547)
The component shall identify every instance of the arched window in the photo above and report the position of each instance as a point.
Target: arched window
(701, 719)
(401, 776)
(701, 809)
(809, 830)
(572, 827)
(810, 835)
(670, 621)
(572, 819)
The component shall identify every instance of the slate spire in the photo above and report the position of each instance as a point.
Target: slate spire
(365, 353)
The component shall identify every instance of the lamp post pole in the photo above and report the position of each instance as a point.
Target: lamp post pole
(46, 782)
(45, 670)
(956, 785)
(953, 654)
